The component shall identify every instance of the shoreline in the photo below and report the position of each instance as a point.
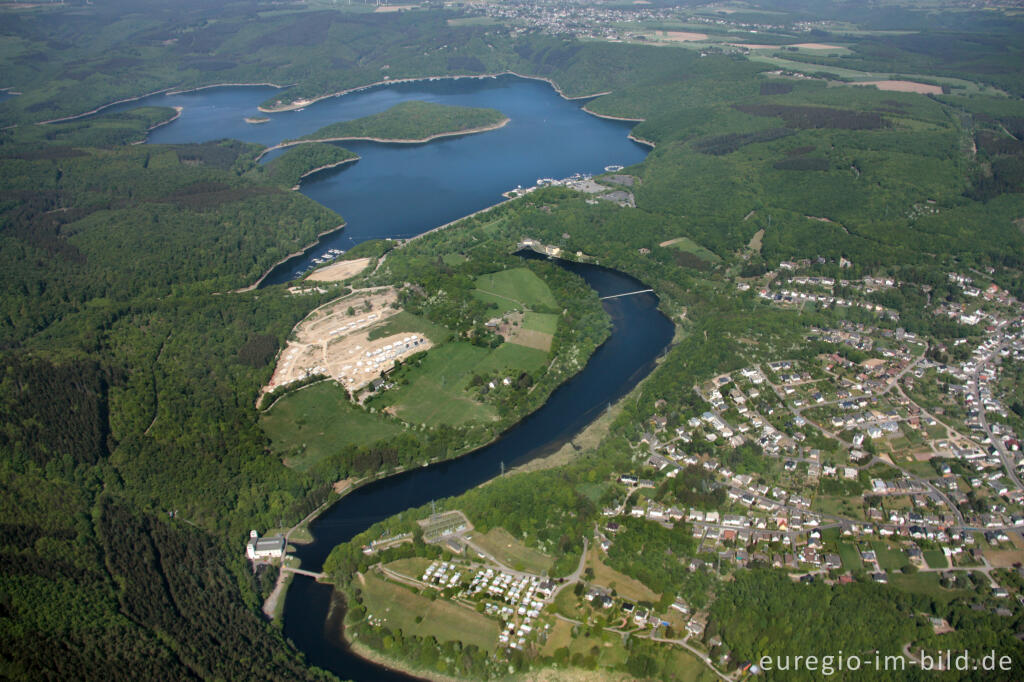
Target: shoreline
(167, 91)
(227, 85)
(364, 652)
(640, 140)
(321, 168)
(101, 108)
(302, 103)
(384, 140)
(255, 285)
(177, 115)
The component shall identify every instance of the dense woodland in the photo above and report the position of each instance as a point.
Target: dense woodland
(413, 120)
(133, 462)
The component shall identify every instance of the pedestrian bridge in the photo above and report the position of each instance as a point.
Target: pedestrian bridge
(628, 293)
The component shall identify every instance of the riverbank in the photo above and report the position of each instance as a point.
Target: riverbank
(385, 140)
(373, 656)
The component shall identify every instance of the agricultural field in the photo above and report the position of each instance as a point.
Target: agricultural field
(515, 289)
(307, 425)
(508, 550)
(400, 607)
(436, 390)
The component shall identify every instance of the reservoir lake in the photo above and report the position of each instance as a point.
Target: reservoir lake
(399, 191)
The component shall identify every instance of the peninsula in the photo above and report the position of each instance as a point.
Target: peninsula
(412, 122)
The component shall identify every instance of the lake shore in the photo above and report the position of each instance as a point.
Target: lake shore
(256, 284)
(322, 168)
(302, 103)
(385, 140)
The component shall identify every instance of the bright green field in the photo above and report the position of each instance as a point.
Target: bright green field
(514, 358)
(687, 244)
(935, 558)
(404, 322)
(436, 394)
(889, 559)
(850, 556)
(541, 322)
(314, 420)
(516, 286)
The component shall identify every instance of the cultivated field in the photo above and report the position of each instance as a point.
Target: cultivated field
(399, 607)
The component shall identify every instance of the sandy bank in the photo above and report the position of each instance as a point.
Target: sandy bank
(340, 271)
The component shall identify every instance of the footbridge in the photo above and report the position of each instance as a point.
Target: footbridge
(628, 293)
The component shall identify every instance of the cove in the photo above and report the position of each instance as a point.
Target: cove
(640, 333)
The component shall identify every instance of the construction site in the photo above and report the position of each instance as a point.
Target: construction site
(335, 341)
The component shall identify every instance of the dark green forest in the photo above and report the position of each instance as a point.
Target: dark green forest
(132, 352)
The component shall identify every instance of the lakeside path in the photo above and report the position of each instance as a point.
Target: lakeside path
(383, 140)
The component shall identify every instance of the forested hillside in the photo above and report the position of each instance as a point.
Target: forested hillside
(132, 459)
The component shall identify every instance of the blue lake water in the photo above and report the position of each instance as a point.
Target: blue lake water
(401, 190)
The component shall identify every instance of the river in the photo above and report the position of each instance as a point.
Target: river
(640, 333)
(399, 191)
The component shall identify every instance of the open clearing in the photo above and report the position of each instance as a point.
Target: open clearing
(510, 551)
(399, 607)
(340, 271)
(626, 587)
(690, 246)
(518, 285)
(904, 86)
(317, 421)
(436, 392)
(683, 36)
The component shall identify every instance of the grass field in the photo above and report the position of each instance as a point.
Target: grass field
(625, 586)
(831, 504)
(514, 358)
(935, 558)
(407, 322)
(850, 556)
(560, 636)
(436, 393)
(517, 287)
(412, 567)
(690, 246)
(926, 584)
(399, 606)
(511, 552)
(313, 422)
(541, 322)
(890, 559)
